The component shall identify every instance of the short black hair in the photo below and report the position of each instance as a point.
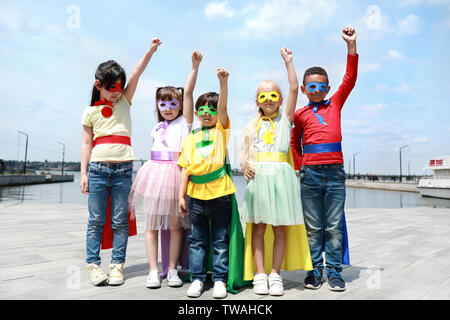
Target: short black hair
(207, 99)
(314, 70)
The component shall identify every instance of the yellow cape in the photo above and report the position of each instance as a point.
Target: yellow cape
(297, 255)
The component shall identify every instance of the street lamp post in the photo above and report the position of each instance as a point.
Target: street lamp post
(400, 153)
(26, 151)
(349, 169)
(354, 168)
(409, 164)
(64, 149)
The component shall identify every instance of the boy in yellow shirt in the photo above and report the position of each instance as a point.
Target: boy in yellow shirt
(209, 189)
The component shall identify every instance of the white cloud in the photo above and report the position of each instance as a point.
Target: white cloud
(218, 9)
(285, 17)
(374, 107)
(368, 67)
(420, 139)
(395, 55)
(10, 20)
(446, 23)
(275, 75)
(404, 88)
(409, 25)
(407, 3)
(381, 86)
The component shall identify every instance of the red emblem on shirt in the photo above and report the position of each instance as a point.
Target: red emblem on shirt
(107, 110)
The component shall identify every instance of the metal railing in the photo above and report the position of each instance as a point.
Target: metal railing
(386, 178)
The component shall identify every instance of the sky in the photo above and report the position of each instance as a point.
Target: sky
(49, 51)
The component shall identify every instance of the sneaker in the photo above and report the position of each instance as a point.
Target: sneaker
(195, 290)
(96, 274)
(220, 290)
(153, 280)
(335, 281)
(314, 279)
(260, 284)
(275, 285)
(172, 279)
(115, 274)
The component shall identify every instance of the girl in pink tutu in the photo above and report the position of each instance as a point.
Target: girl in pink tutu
(155, 189)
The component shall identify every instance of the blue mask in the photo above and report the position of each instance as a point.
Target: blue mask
(314, 86)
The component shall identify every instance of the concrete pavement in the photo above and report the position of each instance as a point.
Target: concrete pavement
(395, 254)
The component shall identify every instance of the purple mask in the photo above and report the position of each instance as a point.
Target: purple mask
(163, 105)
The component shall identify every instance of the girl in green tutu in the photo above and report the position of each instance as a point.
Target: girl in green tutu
(275, 236)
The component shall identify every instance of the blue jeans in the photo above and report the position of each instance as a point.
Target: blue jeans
(201, 213)
(106, 179)
(323, 200)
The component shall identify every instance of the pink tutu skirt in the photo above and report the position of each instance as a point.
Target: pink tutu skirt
(154, 193)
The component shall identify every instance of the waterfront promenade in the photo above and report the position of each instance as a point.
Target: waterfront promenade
(395, 254)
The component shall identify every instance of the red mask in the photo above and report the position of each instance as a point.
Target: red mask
(117, 86)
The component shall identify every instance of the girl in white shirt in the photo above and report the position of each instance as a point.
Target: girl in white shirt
(155, 189)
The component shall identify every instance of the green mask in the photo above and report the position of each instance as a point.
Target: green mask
(207, 109)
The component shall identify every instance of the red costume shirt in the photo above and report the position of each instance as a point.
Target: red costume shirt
(325, 125)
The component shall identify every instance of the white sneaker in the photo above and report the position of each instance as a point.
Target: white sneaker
(96, 274)
(172, 278)
(260, 284)
(115, 274)
(220, 290)
(195, 290)
(153, 280)
(275, 285)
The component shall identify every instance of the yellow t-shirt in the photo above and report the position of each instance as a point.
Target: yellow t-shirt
(200, 161)
(118, 124)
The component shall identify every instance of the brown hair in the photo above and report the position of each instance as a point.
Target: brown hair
(207, 99)
(168, 93)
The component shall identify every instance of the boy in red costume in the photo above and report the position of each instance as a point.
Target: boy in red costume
(316, 146)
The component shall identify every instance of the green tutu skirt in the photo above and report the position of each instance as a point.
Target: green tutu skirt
(273, 196)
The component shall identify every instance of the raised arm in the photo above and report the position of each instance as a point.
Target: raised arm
(188, 97)
(223, 74)
(349, 35)
(293, 84)
(139, 69)
(351, 72)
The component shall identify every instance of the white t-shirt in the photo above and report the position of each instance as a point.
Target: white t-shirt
(177, 130)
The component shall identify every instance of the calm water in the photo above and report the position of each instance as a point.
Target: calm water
(69, 192)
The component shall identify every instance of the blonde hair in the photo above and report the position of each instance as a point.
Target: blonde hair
(246, 149)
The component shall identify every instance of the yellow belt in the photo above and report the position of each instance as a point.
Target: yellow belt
(271, 156)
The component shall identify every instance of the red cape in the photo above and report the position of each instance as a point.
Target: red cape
(108, 232)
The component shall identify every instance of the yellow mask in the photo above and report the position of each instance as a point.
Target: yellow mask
(272, 95)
